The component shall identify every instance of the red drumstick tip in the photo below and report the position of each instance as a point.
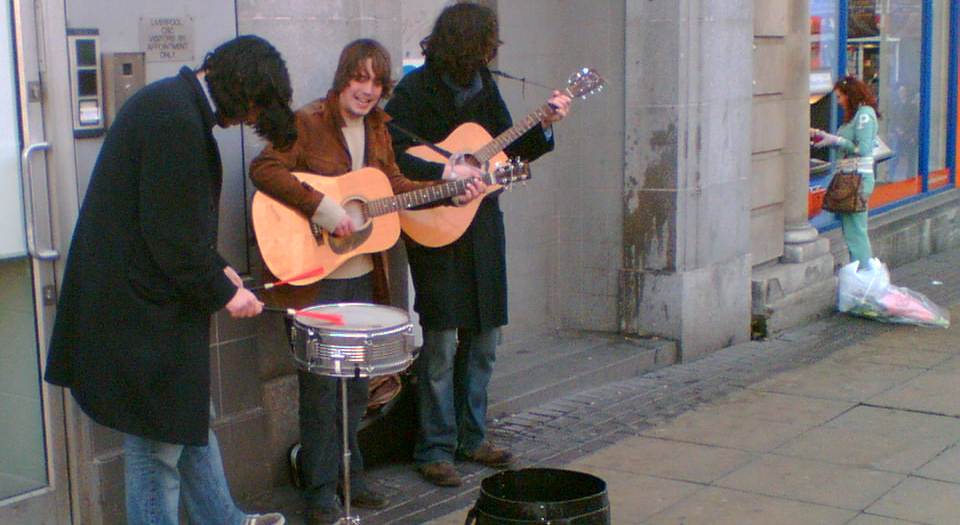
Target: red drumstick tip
(331, 318)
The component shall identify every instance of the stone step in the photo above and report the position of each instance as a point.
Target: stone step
(560, 365)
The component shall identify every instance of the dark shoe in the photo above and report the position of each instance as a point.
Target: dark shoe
(440, 473)
(322, 515)
(489, 455)
(367, 498)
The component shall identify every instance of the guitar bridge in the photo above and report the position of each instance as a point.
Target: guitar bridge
(317, 233)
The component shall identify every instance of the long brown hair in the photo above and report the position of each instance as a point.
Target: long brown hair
(352, 58)
(858, 93)
(464, 39)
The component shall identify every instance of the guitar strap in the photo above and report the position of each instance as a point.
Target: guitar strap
(420, 140)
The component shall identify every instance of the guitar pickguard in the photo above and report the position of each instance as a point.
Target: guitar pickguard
(342, 245)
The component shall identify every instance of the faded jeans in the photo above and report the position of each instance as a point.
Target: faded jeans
(157, 473)
(452, 384)
(321, 412)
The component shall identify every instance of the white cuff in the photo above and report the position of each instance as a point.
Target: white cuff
(328, 214)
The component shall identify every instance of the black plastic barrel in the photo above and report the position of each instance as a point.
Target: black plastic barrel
(542, 496)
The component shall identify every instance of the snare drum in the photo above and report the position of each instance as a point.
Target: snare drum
(373, 340)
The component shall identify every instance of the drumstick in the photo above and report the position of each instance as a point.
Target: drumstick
(330, 318)
(316, 271)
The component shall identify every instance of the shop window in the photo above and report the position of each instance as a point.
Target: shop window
(882, 40)
(937, 164)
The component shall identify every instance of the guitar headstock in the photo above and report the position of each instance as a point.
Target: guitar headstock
(584, 83)
(514, 170)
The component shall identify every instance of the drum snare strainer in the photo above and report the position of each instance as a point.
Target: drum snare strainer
(374, 340)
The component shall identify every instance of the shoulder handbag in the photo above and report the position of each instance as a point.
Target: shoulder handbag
(881, 151)
(843, 194)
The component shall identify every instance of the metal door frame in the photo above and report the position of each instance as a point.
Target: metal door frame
(51, 195)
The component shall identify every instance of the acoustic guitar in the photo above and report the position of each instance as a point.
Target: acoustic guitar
(435, 227)
(292, 245)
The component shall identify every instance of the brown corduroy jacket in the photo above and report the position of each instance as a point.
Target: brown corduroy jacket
(321, 149)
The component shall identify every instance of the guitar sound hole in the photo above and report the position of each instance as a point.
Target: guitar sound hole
(354, 209)
(468, 159)
(361, 228)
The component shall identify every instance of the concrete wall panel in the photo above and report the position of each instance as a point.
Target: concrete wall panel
(771, 17)
(770, 124)
(769, 59)
(766, 233)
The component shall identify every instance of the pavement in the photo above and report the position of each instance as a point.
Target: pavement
(843, 421)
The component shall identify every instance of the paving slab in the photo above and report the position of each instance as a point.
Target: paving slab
(871, 352)
(826, 380)
(868, 519)
(668, 459)
(944, 467)
(921, 500)
(913, 337)
(780, 408)
(933, 391)
(950, 365)
(717, 506)
(707, 428)
(877, 438)
(635, 498)
(811, 481)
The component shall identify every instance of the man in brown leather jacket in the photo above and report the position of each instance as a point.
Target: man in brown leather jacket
(344, 132)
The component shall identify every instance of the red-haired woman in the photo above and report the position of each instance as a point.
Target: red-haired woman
(855, 140)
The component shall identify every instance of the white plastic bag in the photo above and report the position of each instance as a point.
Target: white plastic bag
(868, 293)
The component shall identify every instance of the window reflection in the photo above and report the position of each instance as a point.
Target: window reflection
(898, 85)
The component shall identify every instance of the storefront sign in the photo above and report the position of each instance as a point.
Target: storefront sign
(167, 39)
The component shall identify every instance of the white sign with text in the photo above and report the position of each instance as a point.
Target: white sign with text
(167, 39)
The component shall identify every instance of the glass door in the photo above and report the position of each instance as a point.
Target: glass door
(33, 482)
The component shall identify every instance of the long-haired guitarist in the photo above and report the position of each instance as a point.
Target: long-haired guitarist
(461, 293)
(341, 133)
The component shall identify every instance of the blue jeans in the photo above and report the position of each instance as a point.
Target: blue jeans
(321, 411)
(452, 384)
(157, 473)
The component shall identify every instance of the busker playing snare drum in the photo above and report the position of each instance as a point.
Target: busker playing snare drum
(344, 132)
(132, 334)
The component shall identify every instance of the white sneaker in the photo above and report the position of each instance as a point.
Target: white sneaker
(272, 518)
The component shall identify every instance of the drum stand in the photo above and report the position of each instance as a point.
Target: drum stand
(347, 519)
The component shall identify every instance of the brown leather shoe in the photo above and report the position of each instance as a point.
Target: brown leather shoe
(440, 473)
(323, 515)
(367, 498)
(489, 455)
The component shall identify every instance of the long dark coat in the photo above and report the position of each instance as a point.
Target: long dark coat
(131, 338)
(463, 284)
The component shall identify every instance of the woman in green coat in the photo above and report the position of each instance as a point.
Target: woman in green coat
(855, 140)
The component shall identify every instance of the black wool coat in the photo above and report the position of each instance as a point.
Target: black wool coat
(132, 331)
(464, 284)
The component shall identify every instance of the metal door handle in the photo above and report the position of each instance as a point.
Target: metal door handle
(26, 174)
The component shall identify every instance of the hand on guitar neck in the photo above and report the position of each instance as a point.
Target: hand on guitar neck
(460, 168)
(559, 104)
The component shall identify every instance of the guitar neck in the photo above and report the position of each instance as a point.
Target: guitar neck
(412, 199)
(516, 131)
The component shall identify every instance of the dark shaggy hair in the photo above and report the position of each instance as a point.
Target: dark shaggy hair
(858, 93)
(352, 58)
(245, 73)
(464, 39)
